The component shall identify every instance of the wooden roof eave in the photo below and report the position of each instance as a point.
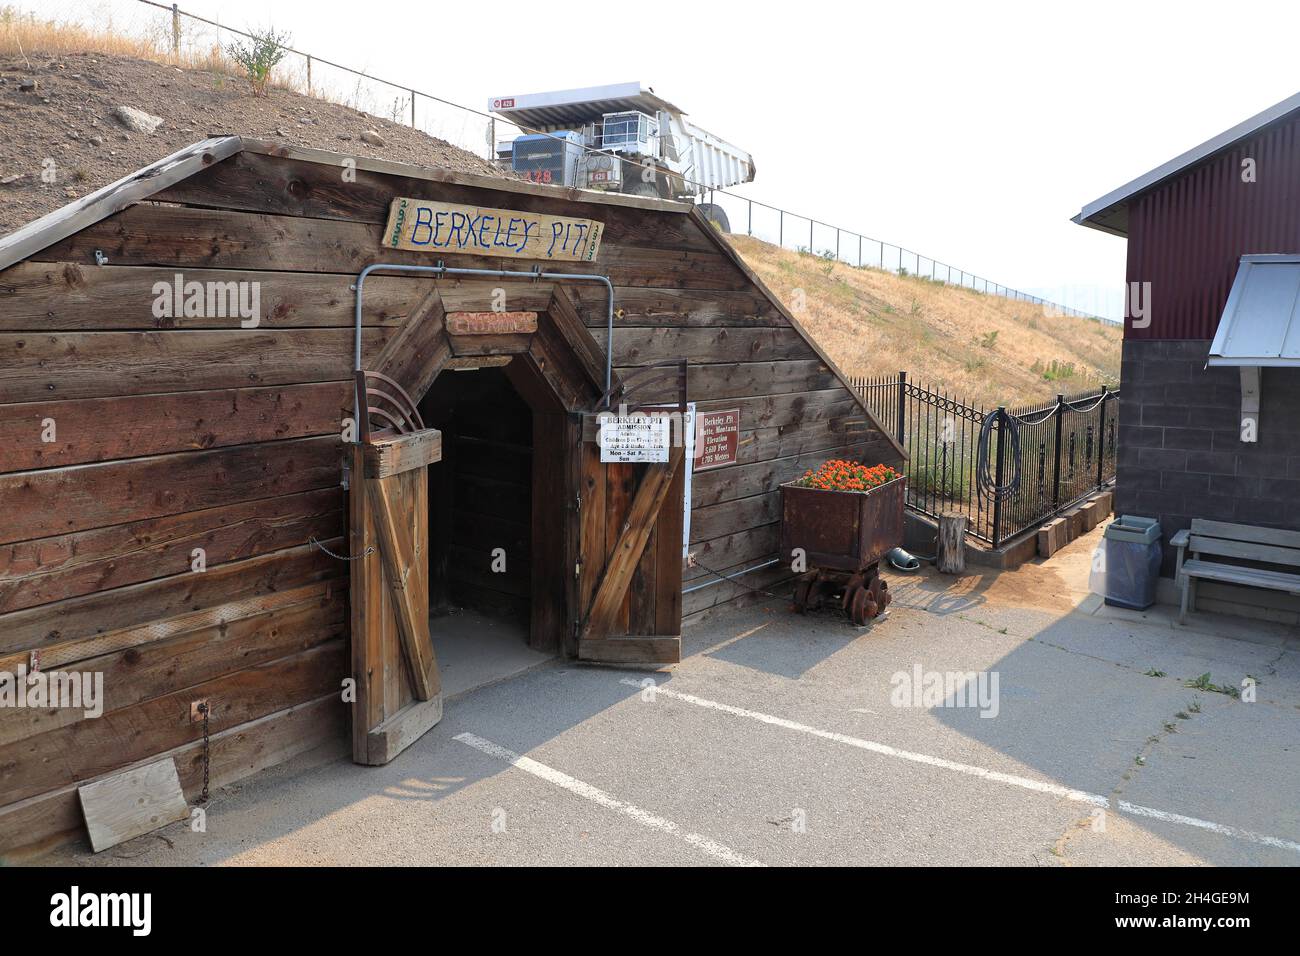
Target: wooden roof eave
(729, 251)
(154, 178)
(439, 174)
(139, 185)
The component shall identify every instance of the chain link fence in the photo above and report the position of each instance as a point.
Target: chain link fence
(791, 230)
(170, 32)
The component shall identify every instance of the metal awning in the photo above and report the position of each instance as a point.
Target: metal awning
(1259, 326)
(574, 108)
(1110, 212)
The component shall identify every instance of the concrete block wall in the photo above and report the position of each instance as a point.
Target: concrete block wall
(1180, 449)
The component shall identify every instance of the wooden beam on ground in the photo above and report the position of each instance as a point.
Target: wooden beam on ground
(318, 725)
(132, 803)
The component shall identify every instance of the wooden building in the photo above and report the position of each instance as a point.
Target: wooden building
(191, 506)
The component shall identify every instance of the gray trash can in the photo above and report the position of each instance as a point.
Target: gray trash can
(1130, 566)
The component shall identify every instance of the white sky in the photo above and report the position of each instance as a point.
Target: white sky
(968, 131)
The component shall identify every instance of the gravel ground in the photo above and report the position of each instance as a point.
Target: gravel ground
(69, 117)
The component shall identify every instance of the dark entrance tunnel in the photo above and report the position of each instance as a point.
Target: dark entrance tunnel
(480, 496)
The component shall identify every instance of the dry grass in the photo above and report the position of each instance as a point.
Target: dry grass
(23, 33)
(979, 347)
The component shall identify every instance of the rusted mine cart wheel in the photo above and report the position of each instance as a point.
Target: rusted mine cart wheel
(879, 596)
(863, 607)
(801, 592)
(861, 595)
(851, 587)
(810, 592)
(820, 590)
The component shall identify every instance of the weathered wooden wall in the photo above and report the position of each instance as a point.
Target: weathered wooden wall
(180, 433)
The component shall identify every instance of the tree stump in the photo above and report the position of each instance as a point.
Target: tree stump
(951, 558)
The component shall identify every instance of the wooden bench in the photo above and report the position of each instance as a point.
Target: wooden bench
(1241, 542)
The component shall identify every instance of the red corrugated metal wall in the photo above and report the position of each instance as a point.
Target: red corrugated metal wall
(1186, 236)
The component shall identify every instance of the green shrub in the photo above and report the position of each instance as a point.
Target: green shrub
(259, 56)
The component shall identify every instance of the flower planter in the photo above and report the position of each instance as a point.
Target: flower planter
(846, 530)
(843, 535)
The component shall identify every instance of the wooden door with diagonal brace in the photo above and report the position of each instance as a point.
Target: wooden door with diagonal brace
(630, 564)
(398, 689)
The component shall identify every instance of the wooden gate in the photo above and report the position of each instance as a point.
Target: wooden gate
(398, 689)
(630, 560)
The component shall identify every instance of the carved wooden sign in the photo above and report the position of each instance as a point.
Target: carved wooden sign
(421, 225)
(491, 323)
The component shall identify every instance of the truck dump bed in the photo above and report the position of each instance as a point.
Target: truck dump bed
(702, 157)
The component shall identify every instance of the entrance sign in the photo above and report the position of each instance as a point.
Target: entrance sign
(420, 225)
(635, 438)
(491, 323)
(717, 439)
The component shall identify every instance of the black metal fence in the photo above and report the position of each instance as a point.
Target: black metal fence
(1043, 457)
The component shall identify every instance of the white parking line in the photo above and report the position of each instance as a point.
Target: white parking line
(1025, 783)
(1221, 828)
(601, 798)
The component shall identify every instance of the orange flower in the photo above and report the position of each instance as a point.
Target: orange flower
(840, 474)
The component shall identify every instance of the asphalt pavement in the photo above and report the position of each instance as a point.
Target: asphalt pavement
(993, 719)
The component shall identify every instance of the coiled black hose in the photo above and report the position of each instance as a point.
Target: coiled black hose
(985, 477)
(1009, 432)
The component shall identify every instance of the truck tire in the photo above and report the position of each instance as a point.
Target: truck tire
(716, 215)
(639, 188)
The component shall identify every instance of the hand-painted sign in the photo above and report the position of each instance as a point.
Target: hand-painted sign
(717, 438)
(491, 323)
(419, 225)
(634, 438)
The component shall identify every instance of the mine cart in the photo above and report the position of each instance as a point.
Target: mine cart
(844, 535)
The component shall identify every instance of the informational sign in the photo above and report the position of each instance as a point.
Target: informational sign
(717, 438)
(491, 323)
(420, 225)
(635, 438)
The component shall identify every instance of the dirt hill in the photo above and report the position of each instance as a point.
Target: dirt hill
(64, 107)
(983, 348)
(66, 130)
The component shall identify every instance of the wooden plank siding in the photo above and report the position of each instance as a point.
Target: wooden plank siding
(183, 432)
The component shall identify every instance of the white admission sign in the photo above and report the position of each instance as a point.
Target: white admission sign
(634, 438)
